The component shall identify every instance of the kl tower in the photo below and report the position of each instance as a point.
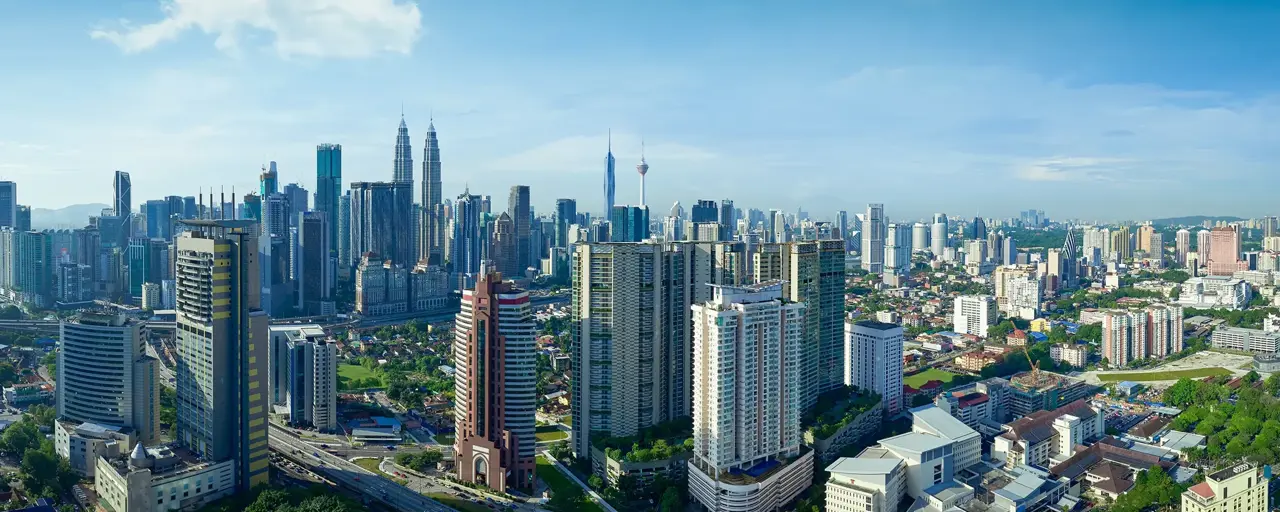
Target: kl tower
(642, 168)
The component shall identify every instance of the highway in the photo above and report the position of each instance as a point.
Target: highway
(350, 476)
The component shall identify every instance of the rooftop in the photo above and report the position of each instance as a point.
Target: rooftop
(914, 442)
(863, 466)
(879, 326)
(1202, 489)
(931, 418)
(1150, 426)
(1224, 474)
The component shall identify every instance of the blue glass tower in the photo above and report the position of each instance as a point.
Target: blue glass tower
(329, 187)
(608, 177)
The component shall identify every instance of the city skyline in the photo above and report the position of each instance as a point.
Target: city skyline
(195, 91)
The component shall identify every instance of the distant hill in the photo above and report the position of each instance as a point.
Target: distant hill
(1193, 220)
(70, 217)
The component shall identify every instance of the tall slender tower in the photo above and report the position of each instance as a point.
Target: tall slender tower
(643, 169)
(608, 177)
(124, 195)
(404, 155)
(494, 353)
(433, 220)
(329, 189)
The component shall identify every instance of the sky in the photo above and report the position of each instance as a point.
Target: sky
(1100, 110)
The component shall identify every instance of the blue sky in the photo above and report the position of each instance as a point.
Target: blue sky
(1087, 109)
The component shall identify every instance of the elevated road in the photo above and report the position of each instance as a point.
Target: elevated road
(350, 476)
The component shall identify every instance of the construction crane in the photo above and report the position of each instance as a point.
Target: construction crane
(1035, 366)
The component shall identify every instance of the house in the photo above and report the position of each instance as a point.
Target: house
(1106, 468)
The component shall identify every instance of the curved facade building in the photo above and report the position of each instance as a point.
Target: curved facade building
(105, 375)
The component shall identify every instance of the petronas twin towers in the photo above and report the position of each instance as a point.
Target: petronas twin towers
(431, 235)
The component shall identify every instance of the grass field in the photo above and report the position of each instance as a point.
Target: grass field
(550, 433)
(458, 504)
(924, 377)
(354, 371)
(445, 439)
(1194, 373)
(557, 482)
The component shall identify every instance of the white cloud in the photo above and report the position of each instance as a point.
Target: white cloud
(1068, 169)
(313, 28)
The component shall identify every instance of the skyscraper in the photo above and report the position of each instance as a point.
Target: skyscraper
(897, 253)
(329, 188)
(873, 360)
(158, 224)
(503, 242)
(105, 375)
(631, 328)
(467, 242)
(268, 181)
(873, 233)
(382, 221)
(24, 218)
(404, 156)
(344, 231)
(8, 204)
(494, 357)
(123, 202)
(222, 349)
(978, 229)
(433, 215)
(919, 237)
(608, 177)
(304, 375)
(705, 211)
(566, 215)
(314, 276)
(629, 224)
(727, 220)
(521, 216)
(747, 367)
(939, 235)
(1204, 243)
(812, 273)
(1224, 251)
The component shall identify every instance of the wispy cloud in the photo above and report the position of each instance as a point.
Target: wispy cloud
(1070, 169)
(313, 28)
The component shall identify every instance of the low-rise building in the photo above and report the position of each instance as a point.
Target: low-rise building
(864, 484)
(976, 361)
(82, 443)
(161, 479)
(1074, 355)
(1239, 488)
(971, 408)
(20, 395)
(1215, 292)
(1247, 340)
(1043, 437)
(1105, 469)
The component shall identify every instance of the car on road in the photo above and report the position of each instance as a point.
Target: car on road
(315, 454)
(325, 446)
(391, 448)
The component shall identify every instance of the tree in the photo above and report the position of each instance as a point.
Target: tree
(595, 482)
(569, 499)
(43, 414)
(40, 472)
(10, 312)
(270, 500)
(20, 437)
(671, 501)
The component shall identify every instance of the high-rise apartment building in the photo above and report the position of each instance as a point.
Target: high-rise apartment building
(1124, 335)
(897, 254)
(1145, 232)
(1164, 330)
(1182, 246)
(303, 375)
(812, 273)
(8, 204)
(1018, 290)
(631, 328)
(873, 360)
(495, 357)
(105, 376)
(747, 366)
(873, 235)
(329, 189)
(938, 236)
(919, 237)
(972, 314)
(222, 354)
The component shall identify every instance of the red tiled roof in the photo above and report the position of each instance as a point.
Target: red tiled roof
(1203, 490)
(1018, 333)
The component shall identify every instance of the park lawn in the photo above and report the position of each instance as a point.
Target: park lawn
(370, 464)
(554, 435)
(355, 371)
(444, 439)
(458, 504)
(924, 377)
(1193, 373)
(557, 482)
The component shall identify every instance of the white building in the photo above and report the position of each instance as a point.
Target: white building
(860, 484)
(303, 375)
(966, 443)
(873, 239)
(82, 443)
(747, 346)
(1019, 290)
(161, 479)
(1071, 354)
(152, 298)
(1248, 340)
(1045, 437)
(105, 375)
(873, 360)
(1215, 493)
(1215, 292)
(972, 314)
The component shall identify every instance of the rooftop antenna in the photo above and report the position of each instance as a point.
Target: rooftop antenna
(200, 211)
(233, 202)
(222, 203)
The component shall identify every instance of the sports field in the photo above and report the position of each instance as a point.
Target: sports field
(1194, 373)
